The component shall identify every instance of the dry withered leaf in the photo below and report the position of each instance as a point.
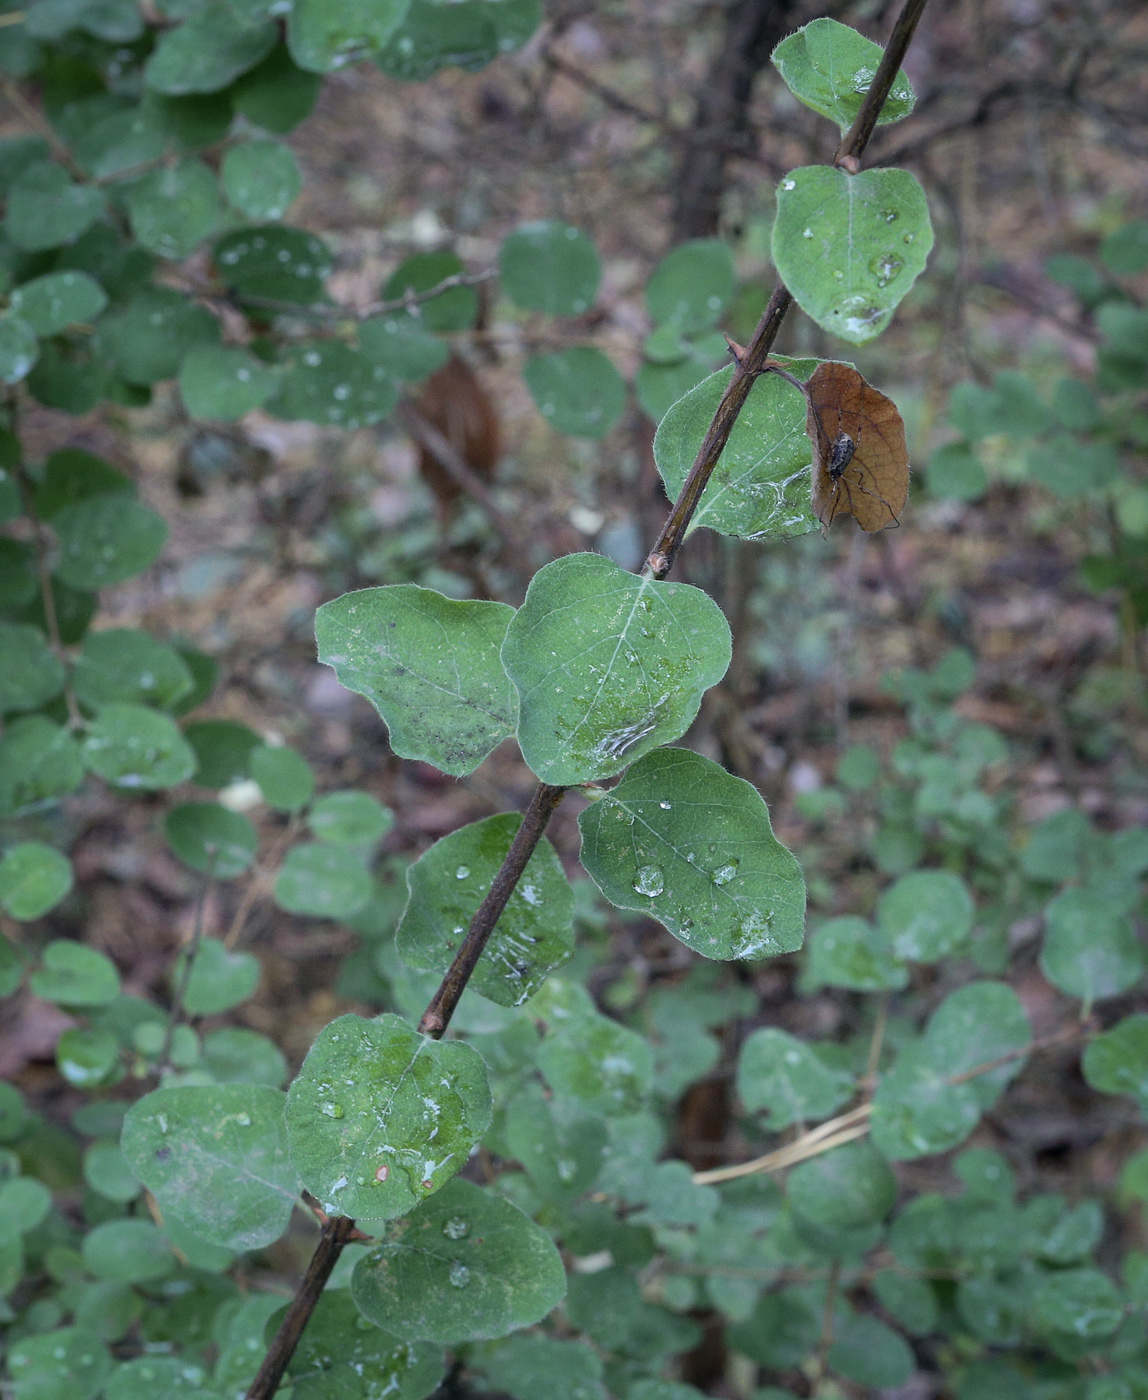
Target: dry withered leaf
(860, 461)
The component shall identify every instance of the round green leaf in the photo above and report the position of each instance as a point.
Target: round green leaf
(1116, 1062)
(46, 207)
(349, 818)
(107, 1172)
(604, 1066)
(88, 1058)
(916, 1110)
(829, 66)
(869, 1352)
(131, 746)
(464, 1266)
(209, 50)
(926, 914)
(217, 1157)
(578, 391)
(70, 1363)
(327, 34)
(220, 978)
(174, 209)
(33, 879)
(778, 1072)
(106, 539)
(529, 1365)
(683, 840)
(452, 310)
(380, 1116)
(760, 488)
(284, 777)
(19, 580)
(75, 975)
(222, 750)
(849, 247)
(1090, 951)
(691, 287)
(401, 346)
(975, 1025)
(122, 664)
(326, 881)
(11, 968)
(608, 665)
(1125, 250)
(851, 953)
(1081, 1303)
(261, 179)
(235, 1055)
(274, 263)
(561, 1148)
(534, 934)
(1075, 1235)
(335, 386)
(340, 1354)
(432, 37)
(551, 267)
(911, 1302)
(954, 473)
(843, 1189)
(224, 382)
(32, 674)
(276, 94)
(149, 339)
(19, 349)
(51, 303)
(128, 1251)
(149, 1377)
(211, 838)
(24, 1204)
(430, 666)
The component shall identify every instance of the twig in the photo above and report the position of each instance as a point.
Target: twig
(340, 311)
(176, 1011)
(876, 1044)
(14, 17)
(44, 129)
(857, 137)
(260, 882)
(826, 1339)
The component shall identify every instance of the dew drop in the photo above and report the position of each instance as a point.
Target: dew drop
(889, 215)
(909, 238)
(724, 873)
(789, 184)
(381, 1173)
(885, 268)
(458, 1273)
(456, 1228)
(565, 1169)
(243, 1119)
(649, 881)
(331, 1110)
(462, 872)
(665, 806)
(807, 233)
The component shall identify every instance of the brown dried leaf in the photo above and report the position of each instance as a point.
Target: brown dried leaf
(860, 461)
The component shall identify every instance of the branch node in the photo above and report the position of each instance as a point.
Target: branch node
(850, 164)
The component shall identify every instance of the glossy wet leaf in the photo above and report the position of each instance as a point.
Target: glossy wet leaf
(19, 349)
(122, 664)
(275, 263)
(1116, 1062)
(334, 386)
(533, 936)
(551, 267)
(926, 914)
(691, 287)
(466, 1265)
(866, 476)
(608, 665)
(211, 838)
(759, 489)
(602, 1065)
(284, 777)
(34, 877)
(975, 1026)
(276, 94)
(327, 34)
(578, 391)
(402, 346)
(208, 51)
(174, 209)
(261, 179)
(87, 1058)
(149, 339)
(429, 665)
(68, 1363)
(350, 818)
(131, 746)
(46, 207)
(849, 247)
(782, 1074)
(220, 978)
(106, 539)
(454, 309)
(1090, 951)
(380, 1116)
(916, 1111)
(146, 1377)
(561, 1147)
(75, 975)
(432, 37)
(224, 382)
(1083, 1303)
(32, 674)
(685, 841)
(216, 1157)
(843, 1189)
(829, 67)
(850, 952)
(57, 300)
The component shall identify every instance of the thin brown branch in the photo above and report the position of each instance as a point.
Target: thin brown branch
(176, 1013)
(42, 127)
(857, 137)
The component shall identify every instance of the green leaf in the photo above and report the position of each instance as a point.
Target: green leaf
(830, 67)
(1075, 1235)
(150, 338)
(74, 975)
(276, 94)
(851, 953)
(274, 263)
(658, 386)
(551, 267)
(432, 37)
(691, 287)
(448, 883)
(561, 1147)
(131, 746)
(778, 1072)
(1069, 468)
(11, 968)
(284, 777)
(1057, 848)
(107, 1172)
(911, 1302)
(604, 1066)
(926, 914)
(973, 1026)
(261, 179)
(869, 1352)
(235, 1055)
(208, 51)
(608, 665)
(24, 1204)
(123, 664)
(224, 382)
(683, 840)
(916, 1111)
(219, 980)
(760, 488)
(46, 207)
(400, 345)
(429, 665)
(342, 1357)
(174, 209)
(69, 1363)
(350, 818)
(380, 1116)
(326, 881)
(1075, 405)
(453, 310)
(782, 1331)
(1089, 951)
(19, 349)
(578, 391)
(128, 1251)
(335, 386)
(849, 247)
(223, 751)
(531, 1365)
(33, 879)
(87, 1058)
(844, 1189)
(327, 34)
(464, 1266)
(67, 376)
(19, 574)
(118, 21)
(1125, 250)
(216, 1157)
(106, 539)
(1081, 1303)
(32, 673)
(955, 474)
(147, 1377)
(1116, 1062)
(211, 838)
(60, 299)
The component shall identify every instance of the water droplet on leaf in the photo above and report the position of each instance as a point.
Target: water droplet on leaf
(458, 1273)
(462, 872)
(456, 1228)
(649, 881)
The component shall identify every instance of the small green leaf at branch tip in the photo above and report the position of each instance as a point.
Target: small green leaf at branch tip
(849, 247)
(381, 1116)
(465, 1266)
(447, 884)
(685, 841)
(830, 67)
(608, 665)
(220, 978)
(429, 665)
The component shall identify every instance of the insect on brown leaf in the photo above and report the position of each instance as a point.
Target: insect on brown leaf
(860, 461)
